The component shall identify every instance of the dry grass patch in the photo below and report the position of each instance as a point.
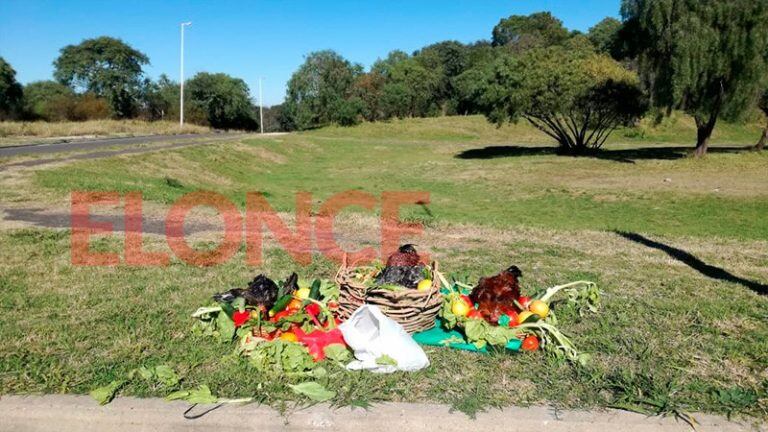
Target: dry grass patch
(94, 128)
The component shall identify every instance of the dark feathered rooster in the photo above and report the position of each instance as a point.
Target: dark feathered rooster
(496, 295)
(262, 292)
(403, 268)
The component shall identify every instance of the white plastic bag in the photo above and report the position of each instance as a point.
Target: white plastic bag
(377, 340)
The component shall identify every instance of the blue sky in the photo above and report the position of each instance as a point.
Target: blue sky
(249, 39)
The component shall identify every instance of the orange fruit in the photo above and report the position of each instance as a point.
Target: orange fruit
(460, 307)
(539, 308)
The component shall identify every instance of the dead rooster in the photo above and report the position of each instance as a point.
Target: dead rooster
(496, 295)
(403, 268)
(262, 292)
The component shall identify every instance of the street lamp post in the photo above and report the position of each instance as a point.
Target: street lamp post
(181, 78)
(261, 109)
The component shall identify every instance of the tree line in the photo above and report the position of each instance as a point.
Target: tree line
(708, 58)
(705, 57)
(103, 78)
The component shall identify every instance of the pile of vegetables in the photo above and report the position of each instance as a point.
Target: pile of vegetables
(531, 320)
(297, 333)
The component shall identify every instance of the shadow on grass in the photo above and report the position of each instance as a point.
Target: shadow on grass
(623, 155)
(695, 263)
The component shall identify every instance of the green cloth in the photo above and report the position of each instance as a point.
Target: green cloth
(439, 336)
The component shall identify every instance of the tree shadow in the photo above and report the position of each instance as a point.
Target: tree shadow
(617, 155)
(695, 263)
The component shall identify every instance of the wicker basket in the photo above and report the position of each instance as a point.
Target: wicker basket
(414, 310)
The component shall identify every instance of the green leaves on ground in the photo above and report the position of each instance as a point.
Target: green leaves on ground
(105, 394)
(282, 356)
(161, 374)
(313, 390)
(385, 360)
(201, 395)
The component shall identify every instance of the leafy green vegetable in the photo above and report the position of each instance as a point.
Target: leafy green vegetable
(385, 360)
(329, 290)
(166, 376)
(313, 390)
(143, 372)
(239, 304)
(225, 327)
(338, 353)
(105, 394)
(201, 395)
(277, 356)
(163, 374)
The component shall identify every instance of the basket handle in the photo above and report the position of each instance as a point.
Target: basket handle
(440, 276)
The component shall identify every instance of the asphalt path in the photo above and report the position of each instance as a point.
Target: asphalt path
(91, 144)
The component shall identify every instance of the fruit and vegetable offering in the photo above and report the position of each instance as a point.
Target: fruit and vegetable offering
(290, 329)
(493, 314)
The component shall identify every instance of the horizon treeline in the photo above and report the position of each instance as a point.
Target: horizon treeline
(707, 58)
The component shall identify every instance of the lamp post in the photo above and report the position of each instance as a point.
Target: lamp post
(261, 109)
(181, 78)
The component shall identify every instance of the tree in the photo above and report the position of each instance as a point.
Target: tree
(319, 86)
(368, 89)
(410, 88)
(576, 97)
(106, 67)
(48, 100)
(534, 30)
(11, 91)
(763, 105)
(604, 35)
(448, 60)
(705, 57)
(160, 100)
(225, 100)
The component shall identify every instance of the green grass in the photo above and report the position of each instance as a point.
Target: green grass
(532, 188)
(681, 329)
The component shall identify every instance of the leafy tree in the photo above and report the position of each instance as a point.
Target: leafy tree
(88, 106)
(160, 100)
(411, 90)
(576, 97)
(347, 112)
(11, 91)
(368, 89)
(225, 100)
(320, 84)
(448, 60)
(273, 118)
(395, 100)
(604, 35)
(706, 57)
(48, 100)
(537, 29)
(106, 67)
(763, 105)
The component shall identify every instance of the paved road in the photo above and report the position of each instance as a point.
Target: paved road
(82, 414)
(91, 144)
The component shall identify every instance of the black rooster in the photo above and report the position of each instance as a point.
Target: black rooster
(403, 268)
(262, 292)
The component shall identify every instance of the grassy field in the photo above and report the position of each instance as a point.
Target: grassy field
(678, 246)
(16, 132)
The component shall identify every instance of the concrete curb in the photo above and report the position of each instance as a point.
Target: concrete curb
(63, 413)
